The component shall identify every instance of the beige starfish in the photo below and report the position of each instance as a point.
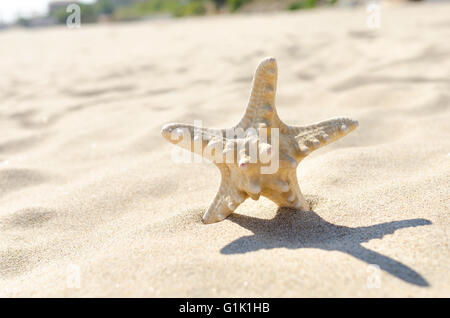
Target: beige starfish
(245, 154)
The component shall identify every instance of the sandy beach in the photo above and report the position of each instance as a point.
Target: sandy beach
(92, 205)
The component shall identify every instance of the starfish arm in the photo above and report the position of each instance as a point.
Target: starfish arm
(207, 142)
(287, 192)
(261, 105)
(315, 136)
(227, 199)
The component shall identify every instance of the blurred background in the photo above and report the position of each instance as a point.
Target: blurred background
(39, 13)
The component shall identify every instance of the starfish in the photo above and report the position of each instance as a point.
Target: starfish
(260, 155)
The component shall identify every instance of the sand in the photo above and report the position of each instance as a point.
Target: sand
(92, 205)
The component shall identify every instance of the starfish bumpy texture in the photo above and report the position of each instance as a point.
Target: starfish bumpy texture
(246, 173)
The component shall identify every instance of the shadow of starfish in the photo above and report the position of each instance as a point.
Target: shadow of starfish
(293, 229)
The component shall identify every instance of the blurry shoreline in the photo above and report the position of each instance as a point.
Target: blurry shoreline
(119, 11)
